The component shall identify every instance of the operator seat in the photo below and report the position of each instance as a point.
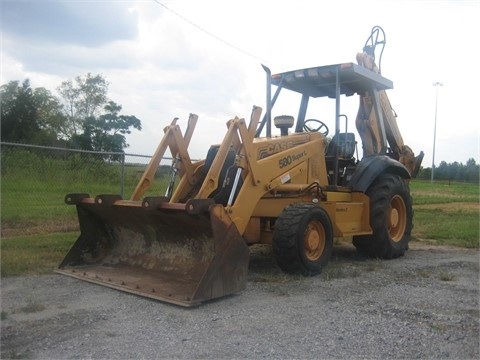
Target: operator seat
(226, 176)
(344, 143)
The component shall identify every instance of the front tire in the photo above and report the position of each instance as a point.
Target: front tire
(303, 239)
(391, 216)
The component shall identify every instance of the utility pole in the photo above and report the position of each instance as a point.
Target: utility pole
(436, 84)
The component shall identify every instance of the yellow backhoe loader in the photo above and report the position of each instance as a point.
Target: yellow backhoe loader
(296, 190)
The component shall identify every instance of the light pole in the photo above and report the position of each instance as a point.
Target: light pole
(436, 84)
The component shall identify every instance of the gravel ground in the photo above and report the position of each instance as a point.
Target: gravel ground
(424, 305)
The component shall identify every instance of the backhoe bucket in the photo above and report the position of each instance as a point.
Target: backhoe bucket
(170, 252)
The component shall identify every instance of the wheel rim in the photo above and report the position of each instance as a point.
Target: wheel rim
(314, 240)
(397, 218)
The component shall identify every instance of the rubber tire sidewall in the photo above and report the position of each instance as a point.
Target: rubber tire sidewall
(380, 244)
(288, 239)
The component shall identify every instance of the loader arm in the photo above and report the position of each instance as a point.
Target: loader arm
(178, 145)
(236, 137)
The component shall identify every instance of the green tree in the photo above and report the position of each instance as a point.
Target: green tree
(51, 119)
(107, 132)
(18, 112)
(29, 115)
(84, 97)
(472, 171)
(454, 171)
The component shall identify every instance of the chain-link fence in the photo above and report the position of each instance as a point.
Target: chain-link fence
(35, 180)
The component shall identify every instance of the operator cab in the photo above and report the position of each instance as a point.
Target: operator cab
(331, 81)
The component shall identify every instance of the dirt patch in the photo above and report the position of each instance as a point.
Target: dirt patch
(423, 305)
(453, 206)
(46, 227)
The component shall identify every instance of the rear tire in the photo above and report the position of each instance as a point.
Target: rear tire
(303, 239)
(391, 217)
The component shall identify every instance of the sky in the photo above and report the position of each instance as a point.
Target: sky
(169, 58)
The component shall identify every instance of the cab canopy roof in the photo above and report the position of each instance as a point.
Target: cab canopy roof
(321, 80)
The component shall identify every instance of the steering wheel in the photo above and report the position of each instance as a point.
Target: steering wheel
(315, 125)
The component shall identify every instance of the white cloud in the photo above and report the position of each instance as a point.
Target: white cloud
(196, 57)
(85, 23)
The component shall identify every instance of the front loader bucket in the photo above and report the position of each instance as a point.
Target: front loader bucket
(167, 253)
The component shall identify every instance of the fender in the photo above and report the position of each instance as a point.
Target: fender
(372, 166)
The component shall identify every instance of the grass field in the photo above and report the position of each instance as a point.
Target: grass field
(37, 203)
(35, 254)
(38, 228)
(446, 214)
